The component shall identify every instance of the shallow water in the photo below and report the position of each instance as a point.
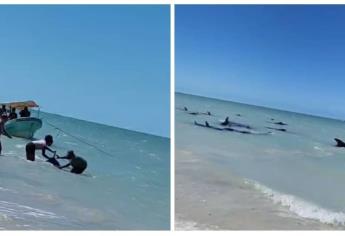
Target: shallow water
(300, 169)
(126, 184)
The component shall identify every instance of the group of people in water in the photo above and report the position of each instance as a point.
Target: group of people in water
(77, 163)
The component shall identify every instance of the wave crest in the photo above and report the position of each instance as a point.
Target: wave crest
(301, 207)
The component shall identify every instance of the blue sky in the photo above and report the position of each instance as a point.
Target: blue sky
(286, 57)
(108, 64)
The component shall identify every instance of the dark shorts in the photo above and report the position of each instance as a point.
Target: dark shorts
(30, 151)
(77, 170)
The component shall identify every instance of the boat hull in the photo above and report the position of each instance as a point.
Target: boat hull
(24, 127)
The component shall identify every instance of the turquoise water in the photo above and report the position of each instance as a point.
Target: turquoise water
(126, 185)
(300, 169)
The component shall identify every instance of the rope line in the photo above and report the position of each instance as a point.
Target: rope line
(79, 139)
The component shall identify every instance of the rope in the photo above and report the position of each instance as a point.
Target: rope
(79, 139)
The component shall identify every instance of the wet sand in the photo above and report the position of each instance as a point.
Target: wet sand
(208, 197)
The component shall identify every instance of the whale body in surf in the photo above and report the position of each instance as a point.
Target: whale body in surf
(283, 130)
(194, 112)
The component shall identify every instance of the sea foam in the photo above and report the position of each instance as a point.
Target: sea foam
(299, 206)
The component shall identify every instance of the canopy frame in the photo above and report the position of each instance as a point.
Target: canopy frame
(21, 105)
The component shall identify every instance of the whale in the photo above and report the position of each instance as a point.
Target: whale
(283, 130)
(208, 113)
(226, 122)
(207, 125)
(280, 123)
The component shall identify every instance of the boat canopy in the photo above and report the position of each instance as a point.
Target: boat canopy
(20, 105)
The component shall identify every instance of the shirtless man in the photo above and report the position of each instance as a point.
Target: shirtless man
(42, 144)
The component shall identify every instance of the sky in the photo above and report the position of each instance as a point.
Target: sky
(285, 57)
(107, 64)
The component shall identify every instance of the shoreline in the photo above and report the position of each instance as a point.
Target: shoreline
(209, 199)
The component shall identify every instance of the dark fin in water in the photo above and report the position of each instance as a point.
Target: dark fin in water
(225, 122)
(207, 125)
(340, 143)
(280, 123)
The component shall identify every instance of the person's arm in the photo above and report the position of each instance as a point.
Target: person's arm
(3, 131)
(67, 165)
(6, 134)
(44, 152)
(65, 157)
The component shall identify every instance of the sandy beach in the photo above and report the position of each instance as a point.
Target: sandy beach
(211, 200)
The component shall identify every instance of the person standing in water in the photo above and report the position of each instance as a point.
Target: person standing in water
(3, 109)
(78, 164)
(42, 144)
(3, 119)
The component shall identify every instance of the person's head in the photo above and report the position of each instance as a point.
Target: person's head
(3, 106)
(70, 155)
(13, 109)
(25, 108)
(49, 139)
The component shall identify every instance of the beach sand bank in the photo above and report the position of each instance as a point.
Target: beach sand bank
(208, 197)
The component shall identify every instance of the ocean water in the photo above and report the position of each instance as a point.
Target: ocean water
(125, 187)
(300, 170)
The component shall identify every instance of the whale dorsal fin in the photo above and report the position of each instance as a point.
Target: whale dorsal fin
(340, 143)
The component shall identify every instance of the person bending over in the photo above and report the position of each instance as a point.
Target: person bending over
(78, 164)
(42, 144)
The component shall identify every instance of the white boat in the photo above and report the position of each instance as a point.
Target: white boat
(23, 127)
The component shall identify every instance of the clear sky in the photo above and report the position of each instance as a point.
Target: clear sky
(285, 57)
(108, 64)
